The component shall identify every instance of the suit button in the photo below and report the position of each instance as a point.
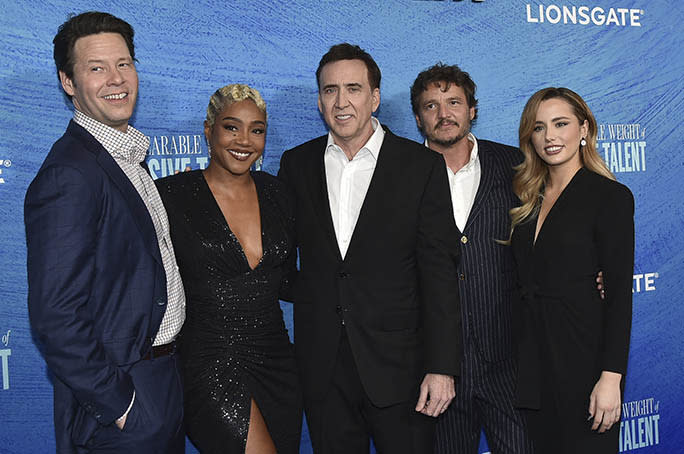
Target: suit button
(340, 313)
(344, 275)
(160, 301)
(464, 239)
(461, 276)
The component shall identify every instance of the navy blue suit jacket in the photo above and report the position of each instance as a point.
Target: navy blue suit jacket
(97, 286)
(486, 271)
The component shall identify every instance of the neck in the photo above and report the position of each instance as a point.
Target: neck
(456, 155)
(352, 146)
(560, 176)
(226, 182)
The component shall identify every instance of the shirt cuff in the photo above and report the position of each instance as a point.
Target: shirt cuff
(119, 419)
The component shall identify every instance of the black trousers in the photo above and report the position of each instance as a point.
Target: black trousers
(345, 420)
(484, 400)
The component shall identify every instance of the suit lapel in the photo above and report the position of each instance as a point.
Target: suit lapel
(486, 177)
(319, 194)
(376, 194)
(139, 212)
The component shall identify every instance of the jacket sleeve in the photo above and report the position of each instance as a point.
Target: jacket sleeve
(61, 214)
(291, 271)
(615, 242)
(438, 252)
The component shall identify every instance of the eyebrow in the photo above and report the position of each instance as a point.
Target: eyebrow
(554, 119)
(352, 84)
(434, 100)
(238, 120)
(101, 60)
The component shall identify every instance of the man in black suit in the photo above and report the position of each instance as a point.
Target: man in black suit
(480, 177)
(377, 317)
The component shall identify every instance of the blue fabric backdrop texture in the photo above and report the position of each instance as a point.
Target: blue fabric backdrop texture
(623, 56)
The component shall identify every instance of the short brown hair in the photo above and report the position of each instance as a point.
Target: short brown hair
(449, 74)
(86, 24)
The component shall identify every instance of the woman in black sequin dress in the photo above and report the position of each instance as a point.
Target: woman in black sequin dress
(233, 232)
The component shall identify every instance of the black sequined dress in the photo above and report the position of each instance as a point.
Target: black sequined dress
(234, 345)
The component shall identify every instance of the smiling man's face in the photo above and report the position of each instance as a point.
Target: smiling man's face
(105, 82)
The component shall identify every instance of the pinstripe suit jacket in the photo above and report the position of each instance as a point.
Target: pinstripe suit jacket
(486, 272)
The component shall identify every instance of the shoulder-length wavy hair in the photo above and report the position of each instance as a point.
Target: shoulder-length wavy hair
(532, 174)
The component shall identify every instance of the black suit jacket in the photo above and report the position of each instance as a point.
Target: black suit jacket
(486, 272)
(97, 286)
(396, 289)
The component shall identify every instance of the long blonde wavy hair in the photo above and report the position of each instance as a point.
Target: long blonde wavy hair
(532, 174)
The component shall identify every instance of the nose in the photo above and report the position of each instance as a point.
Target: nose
(442, 111)
(115, 77)
(341, 100)
(243, 136)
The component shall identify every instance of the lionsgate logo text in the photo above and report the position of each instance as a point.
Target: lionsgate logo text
(584, 15)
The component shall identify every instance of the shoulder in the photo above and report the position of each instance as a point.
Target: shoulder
(267, 180)
(308, 149)
(70, 162)
(607, 190)
(179, 183)
(277, 192)
(501, 152)
(75, 148)
(272, 185)
(409, 151)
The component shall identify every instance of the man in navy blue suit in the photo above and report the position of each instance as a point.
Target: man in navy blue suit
(480, 177)
(105, 297)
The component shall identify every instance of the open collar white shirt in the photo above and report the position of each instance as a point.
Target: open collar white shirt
(463, 185)
(348, 182)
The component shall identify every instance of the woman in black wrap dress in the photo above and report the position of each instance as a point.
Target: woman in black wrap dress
(233, 232)
(575, 220)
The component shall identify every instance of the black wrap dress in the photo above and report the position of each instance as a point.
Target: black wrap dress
(566, 334)
(234, 346)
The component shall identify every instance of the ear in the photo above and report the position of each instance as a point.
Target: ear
(207, 131)
(472, 113)
(375, 98)
(320, 106)
(67, 84)
(584, 129)
(420, 125)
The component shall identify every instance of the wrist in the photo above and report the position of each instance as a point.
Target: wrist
(611, 377)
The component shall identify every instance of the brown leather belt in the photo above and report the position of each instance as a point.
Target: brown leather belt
(161, 350)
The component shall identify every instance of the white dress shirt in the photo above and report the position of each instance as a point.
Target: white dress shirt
(348, 182)
(463, 185)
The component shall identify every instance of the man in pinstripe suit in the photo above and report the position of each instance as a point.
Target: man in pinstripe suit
(480, 175)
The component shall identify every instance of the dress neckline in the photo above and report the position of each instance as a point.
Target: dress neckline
(226, 225)
(561, 197)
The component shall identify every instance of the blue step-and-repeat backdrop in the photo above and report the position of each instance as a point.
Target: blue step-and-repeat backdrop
(625, 57)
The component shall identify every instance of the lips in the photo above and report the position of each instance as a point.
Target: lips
(116, 96)
(343, 117)
(553, 149)
(240, 155)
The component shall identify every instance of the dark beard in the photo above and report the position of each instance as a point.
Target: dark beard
(447, 143)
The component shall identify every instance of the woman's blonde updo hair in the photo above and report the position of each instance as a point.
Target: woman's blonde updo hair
(532, 174)
(230, 94)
